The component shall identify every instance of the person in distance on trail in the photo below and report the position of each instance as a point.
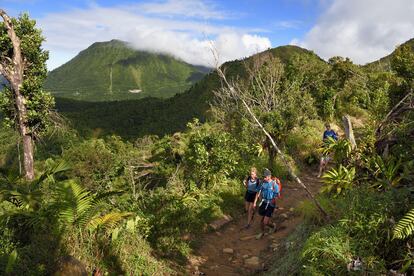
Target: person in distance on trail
(269, 190)
(252, 184)
(328, 133)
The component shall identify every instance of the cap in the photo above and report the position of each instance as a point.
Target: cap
(266, 172)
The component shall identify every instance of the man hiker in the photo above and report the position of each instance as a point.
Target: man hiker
(252, 184)
(268, 192)
(328, 133)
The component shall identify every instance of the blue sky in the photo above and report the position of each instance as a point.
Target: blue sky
(363, 30)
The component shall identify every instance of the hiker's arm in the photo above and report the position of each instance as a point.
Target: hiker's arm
(257, 197)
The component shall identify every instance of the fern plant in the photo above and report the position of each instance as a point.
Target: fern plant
(338, 180)
(79, 208)
(405, 227)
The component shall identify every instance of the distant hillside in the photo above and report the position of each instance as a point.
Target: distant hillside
(112, 70)
(384, 64)
(131, 119)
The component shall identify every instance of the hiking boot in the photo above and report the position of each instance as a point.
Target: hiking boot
(247, 226)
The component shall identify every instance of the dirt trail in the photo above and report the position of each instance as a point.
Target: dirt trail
(248, 254)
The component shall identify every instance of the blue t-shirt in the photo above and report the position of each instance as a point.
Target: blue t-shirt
(269, 191)
(330, 133)
(253, 186)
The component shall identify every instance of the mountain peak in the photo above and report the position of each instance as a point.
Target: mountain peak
(113, 70)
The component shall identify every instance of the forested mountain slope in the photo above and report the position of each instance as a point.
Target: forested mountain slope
(113, 70)
(155, 116)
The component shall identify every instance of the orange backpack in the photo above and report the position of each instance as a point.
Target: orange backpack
(279, 184)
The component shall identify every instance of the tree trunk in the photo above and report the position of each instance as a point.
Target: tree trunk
(349, 132)
(13, 72)
(272, 154)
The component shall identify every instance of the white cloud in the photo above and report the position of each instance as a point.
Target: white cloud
(362, 30)
(190, 40)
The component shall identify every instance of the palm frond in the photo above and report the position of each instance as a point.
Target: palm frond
(52, 169)
(405, 227)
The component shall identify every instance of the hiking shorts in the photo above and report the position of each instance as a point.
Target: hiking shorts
(250, 196)
(326, 159)
(266, 210)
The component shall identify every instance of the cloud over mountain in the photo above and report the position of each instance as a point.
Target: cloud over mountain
(176, 27)
(362, 30)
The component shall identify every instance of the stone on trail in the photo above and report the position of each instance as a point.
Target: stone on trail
(284, 215)
(228, 250)
(247, 238)
(292, 209)
(274, 245)
(252, 262)
(217, 224)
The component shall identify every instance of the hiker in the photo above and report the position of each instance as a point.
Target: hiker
(252, 184)
(268, 192)
(328, 133)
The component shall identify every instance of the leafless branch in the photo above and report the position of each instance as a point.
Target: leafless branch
(234, 92)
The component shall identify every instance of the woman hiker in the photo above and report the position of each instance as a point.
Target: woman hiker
(252, 184)
(327, 134)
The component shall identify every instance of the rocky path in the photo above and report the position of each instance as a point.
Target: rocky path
(232, 251)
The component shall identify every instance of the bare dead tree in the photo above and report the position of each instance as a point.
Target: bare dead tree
(385, 139)
(232, 94)
(405, 104)
(264, 87)
(12, 69)
(349, 132)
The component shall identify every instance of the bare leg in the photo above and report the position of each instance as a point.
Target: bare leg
(321, 167)
(262, 227)
(250, 214)
(263, 223)
(246, 206)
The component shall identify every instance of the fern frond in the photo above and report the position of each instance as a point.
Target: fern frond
(405, 227)
(75, 202)
(107, 221)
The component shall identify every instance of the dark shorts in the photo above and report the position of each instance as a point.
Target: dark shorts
(265, 210)
(250, 196)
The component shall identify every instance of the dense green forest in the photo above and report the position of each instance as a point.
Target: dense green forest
(108, 71)
(127, 187)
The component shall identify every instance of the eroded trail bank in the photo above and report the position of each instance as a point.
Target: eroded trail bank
(232, 251)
